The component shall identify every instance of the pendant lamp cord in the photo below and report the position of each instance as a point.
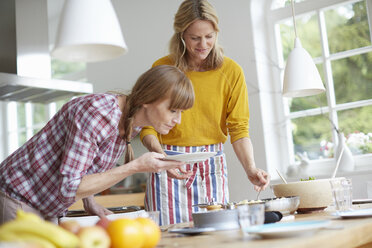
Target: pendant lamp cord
(294, 19)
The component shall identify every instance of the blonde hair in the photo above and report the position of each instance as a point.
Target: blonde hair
(159, 82)
(188, 12)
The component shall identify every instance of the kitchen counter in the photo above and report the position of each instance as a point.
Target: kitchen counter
(341, 233)
(115, 200)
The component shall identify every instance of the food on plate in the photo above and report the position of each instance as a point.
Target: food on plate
(214, 207)
(93, 237)
(249, 202)
(151, 231)
(126, 232)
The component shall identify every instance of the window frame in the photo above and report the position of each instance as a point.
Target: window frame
(281, 108)
(10, 131)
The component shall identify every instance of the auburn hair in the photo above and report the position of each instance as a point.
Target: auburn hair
(159, 82)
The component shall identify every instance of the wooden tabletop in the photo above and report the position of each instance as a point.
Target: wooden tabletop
(115, 200)
(341, 233)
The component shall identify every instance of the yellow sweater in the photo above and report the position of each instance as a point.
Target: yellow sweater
(220, 108)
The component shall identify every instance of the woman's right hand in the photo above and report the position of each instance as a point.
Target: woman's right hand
(153, 162)
(179, 173)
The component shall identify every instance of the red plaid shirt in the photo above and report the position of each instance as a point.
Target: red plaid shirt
(82, 138)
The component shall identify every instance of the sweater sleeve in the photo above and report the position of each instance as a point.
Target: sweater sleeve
(237, 120)
(147, 130)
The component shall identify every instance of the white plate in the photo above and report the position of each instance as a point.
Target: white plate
(92, 220)
(191, 157)
(367, 212)
(361, 201)
(287, 229)
(192, 230)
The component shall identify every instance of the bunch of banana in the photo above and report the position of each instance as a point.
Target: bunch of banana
(30, 228)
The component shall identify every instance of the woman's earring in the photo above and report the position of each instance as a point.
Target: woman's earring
(184, 46)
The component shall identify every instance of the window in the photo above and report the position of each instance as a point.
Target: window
(22, 120)
(337, 34)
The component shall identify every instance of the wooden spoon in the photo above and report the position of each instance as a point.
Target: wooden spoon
(280, 175)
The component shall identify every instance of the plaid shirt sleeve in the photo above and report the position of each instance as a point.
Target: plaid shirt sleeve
(88, 125)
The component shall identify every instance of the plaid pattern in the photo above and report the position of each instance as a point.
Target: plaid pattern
(82, 138)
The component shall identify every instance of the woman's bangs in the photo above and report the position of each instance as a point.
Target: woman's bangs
(182, 98)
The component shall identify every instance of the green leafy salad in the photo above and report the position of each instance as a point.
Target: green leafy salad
(310, 178)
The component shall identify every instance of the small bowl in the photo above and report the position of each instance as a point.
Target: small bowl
(285, 205)
(314, 195)
(218, 219)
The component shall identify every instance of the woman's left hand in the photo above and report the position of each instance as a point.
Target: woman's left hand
(259, 178)
(93, 208)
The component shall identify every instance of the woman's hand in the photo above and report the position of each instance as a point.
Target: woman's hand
(93, 208)
(259, 178)
(153, 162)
(94, 183)
(179, 173)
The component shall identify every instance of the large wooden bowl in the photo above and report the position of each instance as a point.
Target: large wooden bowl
(314, 195)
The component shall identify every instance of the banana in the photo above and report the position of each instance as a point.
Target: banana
(22, 215)
(44, 229)
(26, 239)
(7, 236)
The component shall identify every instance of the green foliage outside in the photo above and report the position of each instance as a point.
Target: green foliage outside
(347, 29)
(61, 69)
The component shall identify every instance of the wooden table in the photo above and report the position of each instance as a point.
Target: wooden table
(353, 233)
(115, 200)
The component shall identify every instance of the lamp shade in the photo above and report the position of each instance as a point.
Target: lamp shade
(301, 77)
(88, 31)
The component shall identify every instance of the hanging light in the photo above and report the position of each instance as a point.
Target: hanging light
(301, 77)
(89, 31)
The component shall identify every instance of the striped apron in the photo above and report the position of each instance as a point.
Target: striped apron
(174, 198)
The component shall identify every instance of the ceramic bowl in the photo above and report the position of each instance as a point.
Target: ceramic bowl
(285, 205)
(314, 195)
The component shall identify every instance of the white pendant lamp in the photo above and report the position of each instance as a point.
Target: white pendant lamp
(89, 31)
(301, 77)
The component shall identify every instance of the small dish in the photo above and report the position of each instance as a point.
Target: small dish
(360, 213)
(223, 219)
(285, 205)
(191, 230)
(362, 201)
(191, 157)
(287, 229)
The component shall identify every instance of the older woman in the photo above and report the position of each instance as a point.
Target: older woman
(221, 108)
(73, 156)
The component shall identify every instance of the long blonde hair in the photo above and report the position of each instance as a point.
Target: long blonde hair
(159, 82)
(188, 12)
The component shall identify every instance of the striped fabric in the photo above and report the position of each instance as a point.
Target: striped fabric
(174, 198)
